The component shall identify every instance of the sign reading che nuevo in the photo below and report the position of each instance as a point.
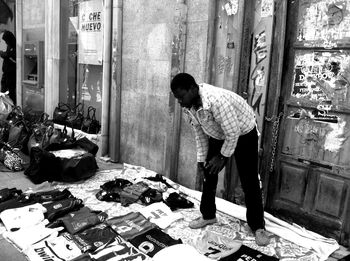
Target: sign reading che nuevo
(90, 32)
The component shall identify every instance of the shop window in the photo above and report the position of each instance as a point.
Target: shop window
(83, 38)
(33, 35)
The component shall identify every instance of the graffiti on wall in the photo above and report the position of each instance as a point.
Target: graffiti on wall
(322, 76)
(266, 8)
(230, 6)
(224, 64)
(258, 75)
(324, 23)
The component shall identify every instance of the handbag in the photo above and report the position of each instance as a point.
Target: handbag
(11, 158)
(15, 115)
(60, 113)
(75, 116)
(90, 124)
(18, 135)
(4, 130)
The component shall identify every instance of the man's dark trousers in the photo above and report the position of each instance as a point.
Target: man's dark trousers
(246, 155)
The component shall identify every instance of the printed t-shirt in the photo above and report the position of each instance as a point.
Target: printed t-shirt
(160, 214)
(119, 250)
(27, 216)
(214, 245)
(179, 252)
(130, 225)
(93, 238)
(153, 241)
(61, 248)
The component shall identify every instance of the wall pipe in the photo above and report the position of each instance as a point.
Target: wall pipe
(106, 75)
(116, 86)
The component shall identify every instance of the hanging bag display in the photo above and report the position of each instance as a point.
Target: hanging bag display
(60, 113)
(90, 124)
(75, 116)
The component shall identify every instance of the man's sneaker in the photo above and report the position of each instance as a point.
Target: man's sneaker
(261, 237)
(200, 222)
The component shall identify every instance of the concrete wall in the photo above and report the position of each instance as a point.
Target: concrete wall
(146, 61)
(195, 64)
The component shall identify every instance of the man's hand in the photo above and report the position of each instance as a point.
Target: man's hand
(216, 164)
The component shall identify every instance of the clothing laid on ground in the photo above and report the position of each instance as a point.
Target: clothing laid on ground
(160, 214)
(17, 218)
(214, 245)
(7, 194)
(119, 250)
(51, 195)
(130, 194)
(225, 124)
(37, 233)
(92, 238)
(110, 191)
(60, 248)
(153, 241)
(247, 254)
(177, 201)
(77, 221)
(59, 208)
(130, 225)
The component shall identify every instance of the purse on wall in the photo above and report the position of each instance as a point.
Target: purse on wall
(60, 113)
(90, 124)
(75, 116)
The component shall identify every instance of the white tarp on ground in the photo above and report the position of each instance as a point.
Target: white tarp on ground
(324, 247)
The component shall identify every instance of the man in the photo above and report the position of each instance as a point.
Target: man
(224, 125)
(8, 80)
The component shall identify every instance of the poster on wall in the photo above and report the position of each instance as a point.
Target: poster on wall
(324, 23)
(90, 39)
(322, 76)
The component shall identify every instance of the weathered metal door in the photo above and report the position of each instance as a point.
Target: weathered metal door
(310, 185)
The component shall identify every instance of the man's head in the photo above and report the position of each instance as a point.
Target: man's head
(185, 90)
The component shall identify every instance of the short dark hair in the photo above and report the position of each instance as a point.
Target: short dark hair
(182, 80)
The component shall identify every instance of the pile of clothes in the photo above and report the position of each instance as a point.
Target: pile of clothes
(61, 227)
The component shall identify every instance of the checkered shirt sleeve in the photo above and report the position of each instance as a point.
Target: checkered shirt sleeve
(201, 142)
(225, 114)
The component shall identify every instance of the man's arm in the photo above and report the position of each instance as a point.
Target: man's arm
(226, 116)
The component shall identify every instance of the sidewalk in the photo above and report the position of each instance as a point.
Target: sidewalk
(20, 181)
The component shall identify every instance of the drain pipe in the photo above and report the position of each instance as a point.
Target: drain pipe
(116, 82)
(106, 75)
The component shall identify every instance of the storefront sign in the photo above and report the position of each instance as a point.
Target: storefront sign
(90, 43)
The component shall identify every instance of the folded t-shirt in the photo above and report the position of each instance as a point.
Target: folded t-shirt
(160, 214)
(95, 237)
(22, 217)
(214, 245)
(119, 250)
(153, 241)
(60, 248)
(130, 225)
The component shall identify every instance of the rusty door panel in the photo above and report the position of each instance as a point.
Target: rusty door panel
(330, 196)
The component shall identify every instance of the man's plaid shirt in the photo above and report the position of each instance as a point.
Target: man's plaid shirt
(224, 115)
